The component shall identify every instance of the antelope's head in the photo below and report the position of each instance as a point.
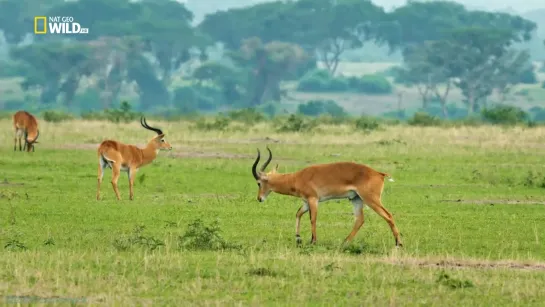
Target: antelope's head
(158, 142)
(29, 141)
(262, 178)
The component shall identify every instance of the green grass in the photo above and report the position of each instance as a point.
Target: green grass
(449, 200)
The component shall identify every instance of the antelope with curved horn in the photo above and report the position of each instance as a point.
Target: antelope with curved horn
(359, 183)
(128, 158)
(25, 125)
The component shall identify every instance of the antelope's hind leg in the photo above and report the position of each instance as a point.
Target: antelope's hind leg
(298, 215)
(102, 164)
(357, 202)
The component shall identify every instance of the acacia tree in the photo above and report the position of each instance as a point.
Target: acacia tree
(481, 60)
(266, 66)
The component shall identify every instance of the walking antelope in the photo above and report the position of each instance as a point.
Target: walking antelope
(25, 125)
(128, 158)
(318, 183)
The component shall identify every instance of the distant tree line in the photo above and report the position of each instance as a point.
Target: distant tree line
(240, 57)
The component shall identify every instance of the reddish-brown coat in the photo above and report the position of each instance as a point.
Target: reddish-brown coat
(357, 182)
(25, 126)
(125, 157)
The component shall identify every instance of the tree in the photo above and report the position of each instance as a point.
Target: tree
(333, 26)
(427, 77)
(54, 68)
(266, 66)
(480, 59)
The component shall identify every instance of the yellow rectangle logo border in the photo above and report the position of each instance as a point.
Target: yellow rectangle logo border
(36, 19)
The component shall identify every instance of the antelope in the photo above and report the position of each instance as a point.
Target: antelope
(359, 183)
(25, 124)
(128, 158)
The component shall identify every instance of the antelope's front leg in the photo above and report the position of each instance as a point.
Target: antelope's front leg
(300, 212)
(131, 174)
(313, 207)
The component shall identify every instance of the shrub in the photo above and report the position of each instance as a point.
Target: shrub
(367, 124)
(297, 123)
(321, 107)
(504, 114)
(317, 80)
(203, 237)
(220, 123)
(56, 116)
(370, 84)
(248, 116)
(423, 119)
(322, 81)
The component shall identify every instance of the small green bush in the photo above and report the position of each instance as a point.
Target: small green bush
(204, 237)
(367, 124)
(249, 116)
(56, 116)
(504, 114)
(220, 123)
(370, 84)
(321, 107)
(322, 81)
(424, 119)
(297, 123)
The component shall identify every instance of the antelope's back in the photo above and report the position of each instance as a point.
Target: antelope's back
(23, 119)
(342, 173)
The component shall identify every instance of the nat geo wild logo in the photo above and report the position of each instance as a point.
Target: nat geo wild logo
(57, 25)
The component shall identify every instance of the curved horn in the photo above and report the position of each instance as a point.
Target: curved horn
(145, 125)
(254, 166)
(268, 160)
(37, 135)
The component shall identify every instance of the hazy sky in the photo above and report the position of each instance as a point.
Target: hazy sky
(520, 6)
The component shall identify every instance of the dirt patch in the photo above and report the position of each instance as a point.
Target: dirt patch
(495, 201)
(469, 264)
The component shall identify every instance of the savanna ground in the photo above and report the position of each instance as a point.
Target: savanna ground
(468, 201)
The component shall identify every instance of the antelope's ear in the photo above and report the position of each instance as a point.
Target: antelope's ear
(160, 136)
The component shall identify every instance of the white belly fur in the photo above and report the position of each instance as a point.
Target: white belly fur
(349, 195)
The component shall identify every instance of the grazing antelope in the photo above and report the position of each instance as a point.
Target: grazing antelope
(25, 125)
(128, 158)
(318, 183)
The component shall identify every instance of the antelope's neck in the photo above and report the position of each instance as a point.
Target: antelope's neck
(149, 153)
(284, 184)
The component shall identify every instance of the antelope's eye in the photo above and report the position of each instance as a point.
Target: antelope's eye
(162, 141)
(259, 184)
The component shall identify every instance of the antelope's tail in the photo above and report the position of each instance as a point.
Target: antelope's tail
(389, 177)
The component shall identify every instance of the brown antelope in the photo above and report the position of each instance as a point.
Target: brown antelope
(25, 125)
(128, 158)
(319, 183)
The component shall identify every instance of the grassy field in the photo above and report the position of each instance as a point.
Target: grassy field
(469, 203)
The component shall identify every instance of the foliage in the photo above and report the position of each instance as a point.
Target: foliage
(200, 236)
(321, 107)
(423, 119)
(322, 81)
(297, 123)
(248, 116)
(367, 124)
(56, 116)
(504, 114)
